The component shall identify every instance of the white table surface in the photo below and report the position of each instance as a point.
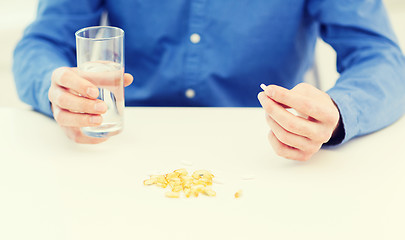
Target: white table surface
(52, 188)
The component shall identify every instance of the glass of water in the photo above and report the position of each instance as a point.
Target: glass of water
(100, 59)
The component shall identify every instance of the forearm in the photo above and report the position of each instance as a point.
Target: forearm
(370, 93)
(34, 62)
(49, 43)
(370, 90)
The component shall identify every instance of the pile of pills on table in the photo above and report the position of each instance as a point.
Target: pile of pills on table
(199, 182)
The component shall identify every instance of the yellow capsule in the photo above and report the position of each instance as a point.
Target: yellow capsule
(209, 192)
(171, 184)
(149, 182)
(177, 188)
(181, 172)
(197, 188)
(238, 194)
(186, 178)
(160, 178)
(196, 174)
(162, 185)
(194, 193)
(185, 185)
(202, 173)
(172, 175)
(205, 181)
(187, 192)
(175, 180)
(172, 194)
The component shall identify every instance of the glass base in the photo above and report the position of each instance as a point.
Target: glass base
(102, 131)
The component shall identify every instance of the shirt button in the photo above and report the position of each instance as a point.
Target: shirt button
(195, 38)
(190, 93)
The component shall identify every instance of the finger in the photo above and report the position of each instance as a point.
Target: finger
(68, 101)
(263, 86)
(290, 139)
(286, 151)
(297, 101)
(288, 121)
(70, 119)
(77, 136)
(70, 79)
(128, 79)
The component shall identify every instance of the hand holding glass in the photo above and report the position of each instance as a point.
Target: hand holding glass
(100, 60)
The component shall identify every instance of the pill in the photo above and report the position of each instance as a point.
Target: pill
(218, 181)
(202, 174)
(238, 194)
(187, 192)
(172, 194)
(177, 188)
(172, 175)
(181, 172)
(186, 163)
(149, 181)
(209, 192)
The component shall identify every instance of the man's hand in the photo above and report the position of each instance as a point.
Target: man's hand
(299, 137)
(75, 104)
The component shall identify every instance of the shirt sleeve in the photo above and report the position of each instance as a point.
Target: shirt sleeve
(48, 43)
(370, 90)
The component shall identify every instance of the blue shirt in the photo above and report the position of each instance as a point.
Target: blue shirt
(242, 43)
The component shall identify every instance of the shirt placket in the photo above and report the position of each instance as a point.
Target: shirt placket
(194, 47)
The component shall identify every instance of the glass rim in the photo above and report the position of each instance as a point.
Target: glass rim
(120, 31)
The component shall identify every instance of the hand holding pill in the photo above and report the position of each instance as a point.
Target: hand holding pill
(298, 137)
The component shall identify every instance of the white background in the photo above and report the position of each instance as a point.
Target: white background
(17, 14)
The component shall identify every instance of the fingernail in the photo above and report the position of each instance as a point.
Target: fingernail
(100, 107)
(92, 92)
(262, 86)
(96, 119)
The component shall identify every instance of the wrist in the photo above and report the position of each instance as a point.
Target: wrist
(339, 133)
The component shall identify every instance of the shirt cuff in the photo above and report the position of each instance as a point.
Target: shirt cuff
(44, 105)
(348, 113)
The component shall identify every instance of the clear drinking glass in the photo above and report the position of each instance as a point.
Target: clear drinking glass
(100, 59)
